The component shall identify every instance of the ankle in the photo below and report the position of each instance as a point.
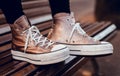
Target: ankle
(63, 14)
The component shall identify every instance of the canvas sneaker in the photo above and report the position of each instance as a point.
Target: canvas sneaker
(66, 31)
(29, 45)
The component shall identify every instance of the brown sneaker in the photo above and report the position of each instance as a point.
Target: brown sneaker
(28, 44)
(66, 31)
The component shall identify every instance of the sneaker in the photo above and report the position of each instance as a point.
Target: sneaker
(29, 45)
(66, 31)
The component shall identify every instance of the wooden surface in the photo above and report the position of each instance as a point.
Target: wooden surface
(67, 68)
(39, 15)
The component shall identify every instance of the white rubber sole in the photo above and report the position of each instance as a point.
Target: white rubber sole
(42, 59)
(91, 50)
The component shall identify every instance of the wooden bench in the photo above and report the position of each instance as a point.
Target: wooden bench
(39, 15)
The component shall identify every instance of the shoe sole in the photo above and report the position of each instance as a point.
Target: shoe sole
(42, 59)
(91, 50)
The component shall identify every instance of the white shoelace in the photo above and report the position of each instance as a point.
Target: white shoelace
(76, 27)
(33, 34)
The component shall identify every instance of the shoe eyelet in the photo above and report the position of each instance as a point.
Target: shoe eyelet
(67, 19)
(66, 40)
(73, 41)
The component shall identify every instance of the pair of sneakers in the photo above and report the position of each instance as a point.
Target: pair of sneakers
(66, 37)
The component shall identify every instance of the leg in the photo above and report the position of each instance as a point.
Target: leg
(59, 6)
(67, 32)
(12, 9)
(28, 44)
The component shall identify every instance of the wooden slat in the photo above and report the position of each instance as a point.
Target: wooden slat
(39, 15)
(5, 60)
(5, 48)
(37, 71)
(14, 68)
(5, 54)
(34, 3)
(97, 28)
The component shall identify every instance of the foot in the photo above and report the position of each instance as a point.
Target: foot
(28, 44)
(66, 31)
